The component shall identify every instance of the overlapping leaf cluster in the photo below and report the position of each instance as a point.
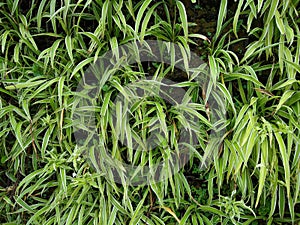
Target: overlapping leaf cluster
(47, 45)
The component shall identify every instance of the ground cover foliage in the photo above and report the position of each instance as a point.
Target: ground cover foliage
(252, 49)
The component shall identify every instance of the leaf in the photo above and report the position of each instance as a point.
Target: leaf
(25, 107)
(236, 17)
(147, 19)
(43, 87)
(273, 201)
(212, 210)
(214, 70)
(24, 205)
(60, 90)
(39, 13)
(221, 17)
(294, 65)
(286, 96)
(63, 180)
(15, 6)
(201, 36)
(279, 22)
(187, 214)
(169, 210)
(17, 130)
(272, 10)
(46, 138)
(28, 179)
(70, 214)
(254, 80)
(251, 49)
(94, 40)
(183, 18)
(114, 47)
(281, 201)
(3, 40)
(285, 161)
(259, 5)
(53, 51)
(294, 99)
(16, 53)
(70, 47)
(282, 84)
(81, 65)
(112, 216)
(228, 96)
(28, 84)
(138, 210)
(262, 169)
(241, 115)
(140, 14)
(281, 52)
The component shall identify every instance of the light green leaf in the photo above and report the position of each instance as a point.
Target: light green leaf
(183, 18)
(140, 15)
(221, 17)
(285, 161)
(279, 22)
(81, 65)
(70, 47)
(286, 96)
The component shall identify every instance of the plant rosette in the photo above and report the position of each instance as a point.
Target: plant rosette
(138, 129)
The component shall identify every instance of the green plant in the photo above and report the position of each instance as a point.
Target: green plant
(46, 47)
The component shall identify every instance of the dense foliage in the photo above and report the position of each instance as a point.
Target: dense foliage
(253, 53)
